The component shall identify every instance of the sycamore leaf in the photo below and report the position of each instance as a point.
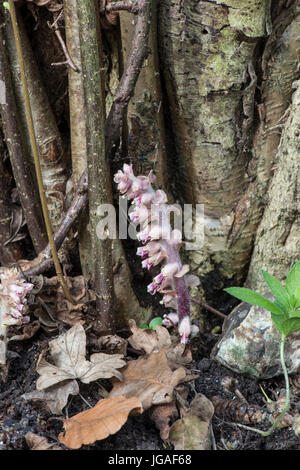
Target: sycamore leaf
(55, 397)
(68, 354)
(94, 424)
(150, 380)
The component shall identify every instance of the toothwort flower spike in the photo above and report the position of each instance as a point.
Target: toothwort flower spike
(13, 292)
(161, 244)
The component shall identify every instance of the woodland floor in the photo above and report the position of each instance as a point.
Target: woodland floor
(17, 416)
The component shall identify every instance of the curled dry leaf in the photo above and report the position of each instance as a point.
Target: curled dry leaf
(150, 380)
(56, 397)
(36, 442)
(97, 423)
(192, 432)
(29, 331)
(68, 354)
(161, 415)
(151, 341)
(113, 344)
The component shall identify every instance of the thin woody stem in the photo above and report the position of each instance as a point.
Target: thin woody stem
(36, 155)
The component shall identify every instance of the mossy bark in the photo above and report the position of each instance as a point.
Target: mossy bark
(277, 244)
(213, 73)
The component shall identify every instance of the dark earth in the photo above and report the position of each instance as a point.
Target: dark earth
(17, 416)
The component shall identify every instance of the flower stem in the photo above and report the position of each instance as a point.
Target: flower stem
(287, 399)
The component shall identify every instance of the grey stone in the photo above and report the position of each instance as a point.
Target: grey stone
(250, 344)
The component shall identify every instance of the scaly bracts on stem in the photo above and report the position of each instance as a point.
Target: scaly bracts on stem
(161, 244)
(13, 293)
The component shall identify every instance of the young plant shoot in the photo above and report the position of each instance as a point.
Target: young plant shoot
(160, 244)
(285, 317)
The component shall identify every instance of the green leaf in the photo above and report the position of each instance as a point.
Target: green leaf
(145, 327)
(156, 321)
(278, 321)
(293, 282)
(290, 326)
(279, 292)
(254, 298)
(6, 5)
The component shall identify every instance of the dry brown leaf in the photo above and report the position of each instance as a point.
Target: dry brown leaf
(36, 442)
(150, 380)
(161, 415)
(29, 331)
(68, 353)
(113, 344)
(55, 397)
(151, 341)
(192, 432)
(97, 423)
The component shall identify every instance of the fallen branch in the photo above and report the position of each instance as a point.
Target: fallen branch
(78, 204)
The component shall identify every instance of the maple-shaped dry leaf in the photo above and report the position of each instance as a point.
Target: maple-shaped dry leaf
(94, 424)
(36, 442)
(55, 397)
(68, 354)
(150, 380)
(150, 341)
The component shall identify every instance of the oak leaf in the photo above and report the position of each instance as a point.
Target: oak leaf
(68, 353)
(94, 424)
(150, 380)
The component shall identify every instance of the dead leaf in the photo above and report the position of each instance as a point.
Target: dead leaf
(150, 380)
(29, 331)
(36, 442)
(190, 433)
(55, 397)
(97, 423)
(161, 415)
(150, 341)
(68, 353)
(193, 431)
(113, 344)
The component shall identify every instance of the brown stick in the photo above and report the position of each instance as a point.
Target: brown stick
(78, 204)
(126, 5)
(27, 192)
(136, 57)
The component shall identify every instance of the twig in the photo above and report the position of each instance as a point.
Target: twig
(68, 60)
(126, 5)
(136, 57)
(78, 204)
(209, 308)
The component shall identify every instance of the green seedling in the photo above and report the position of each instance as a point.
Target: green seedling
(153, 324)
(285, 316)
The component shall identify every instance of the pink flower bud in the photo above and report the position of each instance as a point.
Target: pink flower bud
(184, 329)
